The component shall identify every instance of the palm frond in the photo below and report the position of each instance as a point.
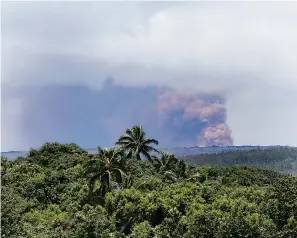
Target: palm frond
(125, 138)
(150, 148)
(122, 174)
(147, 155)
(151, 141)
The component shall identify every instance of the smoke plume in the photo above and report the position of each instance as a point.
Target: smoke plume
(219, 135)
(202, 117)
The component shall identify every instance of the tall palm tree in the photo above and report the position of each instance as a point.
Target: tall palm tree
(106, 167)
(136, 144)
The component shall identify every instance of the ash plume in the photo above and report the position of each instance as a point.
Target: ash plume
(219, 135)
(194, 119)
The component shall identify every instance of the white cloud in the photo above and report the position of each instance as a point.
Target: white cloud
(246, 50)
(250, 38)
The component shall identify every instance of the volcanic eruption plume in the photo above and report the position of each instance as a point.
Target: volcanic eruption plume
(194, 119)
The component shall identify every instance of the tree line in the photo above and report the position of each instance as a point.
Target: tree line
(282, 159)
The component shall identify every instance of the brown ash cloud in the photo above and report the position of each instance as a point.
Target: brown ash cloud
(197, 119)
(219, 135)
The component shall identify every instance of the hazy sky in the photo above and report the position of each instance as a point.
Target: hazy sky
(56, 56)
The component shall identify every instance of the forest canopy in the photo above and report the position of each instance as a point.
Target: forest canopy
(134, 190)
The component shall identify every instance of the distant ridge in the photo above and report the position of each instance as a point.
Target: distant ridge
(178, 151)
(186, 151)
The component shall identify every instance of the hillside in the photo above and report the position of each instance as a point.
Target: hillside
(196, 150)
(282, 159)
(62, 190)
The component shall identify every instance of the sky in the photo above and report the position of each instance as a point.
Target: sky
(85, 71)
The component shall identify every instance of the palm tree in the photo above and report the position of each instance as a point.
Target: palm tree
(171, 167)
(107, 168)
(165, 162)
(136, 144)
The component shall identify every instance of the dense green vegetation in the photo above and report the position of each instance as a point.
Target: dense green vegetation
(282, 159)
(60, 190)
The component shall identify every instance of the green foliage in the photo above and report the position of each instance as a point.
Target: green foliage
(62, 191)
(142, 230)
(57, 156)
(45, 223)
(13, 207)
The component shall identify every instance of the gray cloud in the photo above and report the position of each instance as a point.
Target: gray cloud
(246, 51)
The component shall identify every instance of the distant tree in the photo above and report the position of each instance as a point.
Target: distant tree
(170, 166)
(165, 162)
(136, 144)
(56, 155)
